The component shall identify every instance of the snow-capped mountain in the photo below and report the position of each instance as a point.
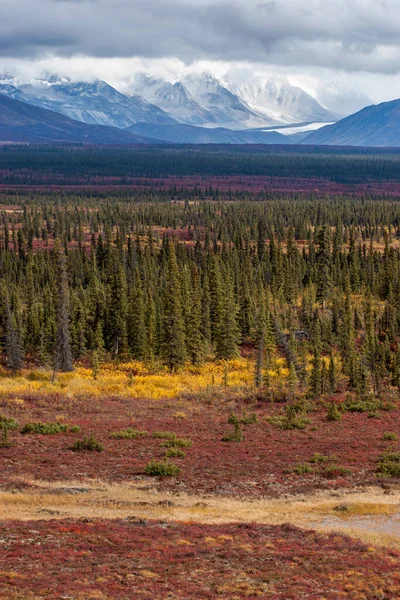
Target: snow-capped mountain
(11, 91)
(343, 98)
(279, 100)
(94, 103)
(227, 109)
(173, 98)
(247, 102)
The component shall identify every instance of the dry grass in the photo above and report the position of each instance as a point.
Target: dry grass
(99, 500)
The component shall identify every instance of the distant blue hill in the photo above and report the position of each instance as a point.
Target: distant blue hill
(377, 125)
(189, 134)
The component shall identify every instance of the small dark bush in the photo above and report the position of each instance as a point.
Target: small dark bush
(45, 428)
(302, 469)
(292, 420)
(333, 471)
(334, 413)
(89, 444)
(318, 458)
(163, 468)
(164, 435)
(4, 438)
(174, 453)
(389, 465)
(127, 434)
(8, 423)
(235, 436)
(178, 443)
(390, 436)
(245, 419)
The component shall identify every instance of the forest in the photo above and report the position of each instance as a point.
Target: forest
(175, 283)
(44, 165)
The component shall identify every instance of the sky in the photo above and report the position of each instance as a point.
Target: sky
(354, 41)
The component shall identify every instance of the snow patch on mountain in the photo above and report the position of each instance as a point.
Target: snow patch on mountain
(278, 99)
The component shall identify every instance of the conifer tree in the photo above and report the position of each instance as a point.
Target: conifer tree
(173, 339)
(323, 266)
(270, 344)
(117, 314)
(260, 340)
(332, 373)
(227, 330)
(316, 375)
(194, 339)
(13, 347)
(63, 354)
(137, 325)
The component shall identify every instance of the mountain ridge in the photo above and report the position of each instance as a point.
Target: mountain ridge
(201, 100)
(22, 122)
(377, 125)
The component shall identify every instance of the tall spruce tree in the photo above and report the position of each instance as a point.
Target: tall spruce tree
(63, 354)
(173, 326)
(194, 338)
(136, 319)
(227, 337)
(13, 347)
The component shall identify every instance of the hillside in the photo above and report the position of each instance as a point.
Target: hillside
(189, 134)
(376, 125)
(21, 122)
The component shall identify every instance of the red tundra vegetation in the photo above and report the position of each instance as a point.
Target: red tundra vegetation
(134, 558)
(268, 462)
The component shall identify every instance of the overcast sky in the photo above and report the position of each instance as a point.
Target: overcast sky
(357, 40)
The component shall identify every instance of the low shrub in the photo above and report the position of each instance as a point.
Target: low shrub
(178, 443)
(174, 453)
(235, 436)
(127, 434)
(89, 444)
(4, 438)
(180, 415)
(364, 405)
(333, 413)
(318, 458)
(333, 471)
(233, 419)
(164, 435)
(291, 420)
(8, 423)
(37, 376)
(390, 436)
(75, 429)
(302, 469)
(163, 468)
(45, 428)
(248, 418)
(389, 464)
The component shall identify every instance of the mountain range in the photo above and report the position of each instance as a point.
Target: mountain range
(198, 109)
(200, 100)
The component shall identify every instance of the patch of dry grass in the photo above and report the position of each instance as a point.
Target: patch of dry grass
(99, 500)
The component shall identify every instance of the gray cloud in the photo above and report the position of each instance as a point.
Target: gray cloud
(353, 35)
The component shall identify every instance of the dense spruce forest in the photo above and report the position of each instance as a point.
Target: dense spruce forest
(38, 165)
(314, 281)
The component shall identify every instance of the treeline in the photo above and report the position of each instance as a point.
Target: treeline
(182, 283)
(44, 165)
